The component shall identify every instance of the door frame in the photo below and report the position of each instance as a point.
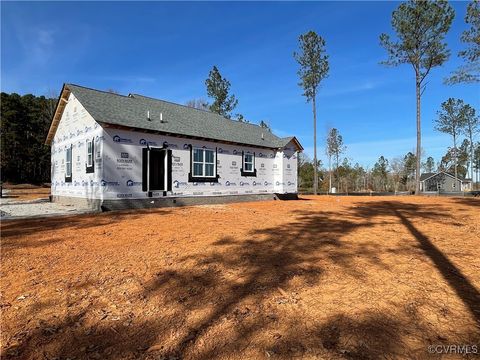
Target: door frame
(146, 164)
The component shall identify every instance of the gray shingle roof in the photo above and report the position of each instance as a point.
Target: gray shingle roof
(425, 176)
(131, 111)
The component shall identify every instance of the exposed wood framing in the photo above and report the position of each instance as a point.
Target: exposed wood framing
(61, 103)
(297, 143)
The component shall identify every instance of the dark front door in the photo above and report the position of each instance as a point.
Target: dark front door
(157, 169)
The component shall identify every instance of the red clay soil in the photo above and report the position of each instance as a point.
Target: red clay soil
(319, 278)
(24, 192)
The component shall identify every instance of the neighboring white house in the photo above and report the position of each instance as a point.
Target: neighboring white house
(114, 151)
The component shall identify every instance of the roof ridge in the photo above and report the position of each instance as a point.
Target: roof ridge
(431, 174)
(169, 102)
(101, 91)
(202, 123)
(189, 107)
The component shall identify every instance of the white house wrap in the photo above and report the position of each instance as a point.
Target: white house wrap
(130, 151)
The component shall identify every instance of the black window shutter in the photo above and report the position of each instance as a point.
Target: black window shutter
(90, 169)
(243, 161)
(169, 170)
(191, 158)
(144, 168)
(190, 174)
(93, 153)
(160, 168)
(69, 158)
(216, 162)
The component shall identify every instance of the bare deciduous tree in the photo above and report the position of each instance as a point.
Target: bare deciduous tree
(335, 148)
(200, 104)
(451, 121)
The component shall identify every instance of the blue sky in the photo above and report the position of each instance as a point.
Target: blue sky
(166, 50)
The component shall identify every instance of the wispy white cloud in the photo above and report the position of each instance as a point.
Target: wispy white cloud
(366, 85)
(36, 48)
(39, 48)
(38, 44)
(45, 36)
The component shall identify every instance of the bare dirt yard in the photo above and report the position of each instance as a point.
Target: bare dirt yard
(25, 192)
(319, 278)
(26, 200)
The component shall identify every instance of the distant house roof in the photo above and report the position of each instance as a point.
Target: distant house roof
(426, 176)
(132, 112)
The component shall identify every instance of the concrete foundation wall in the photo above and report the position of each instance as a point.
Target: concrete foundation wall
(78, 202)
(108, 205)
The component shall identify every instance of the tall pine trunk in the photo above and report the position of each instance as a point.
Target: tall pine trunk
(455, 158)
(315, 175)
(471, 164)
(329, 173)
(419, 135)
(477, 171)
(472, 157)
(336, 169)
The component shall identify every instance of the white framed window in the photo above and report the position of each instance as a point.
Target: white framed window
(203, 162)
(248, 163)
(89, 153)
(68, 162)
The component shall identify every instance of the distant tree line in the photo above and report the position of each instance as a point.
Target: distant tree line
(25, 121)
(420, 28)
(397, 174)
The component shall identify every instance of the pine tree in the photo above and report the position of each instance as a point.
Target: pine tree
(314, 68)
(420, 26)
(218, 88)
(469, 72)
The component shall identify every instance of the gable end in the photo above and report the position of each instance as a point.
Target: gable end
(61, 103)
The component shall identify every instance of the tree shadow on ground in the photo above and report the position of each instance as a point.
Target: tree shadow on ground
(251, 269)
(262, 267)
(364, 337)
(462, 286)
(219, 283)
(231, 298)
(472, 201)
(14, 230)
